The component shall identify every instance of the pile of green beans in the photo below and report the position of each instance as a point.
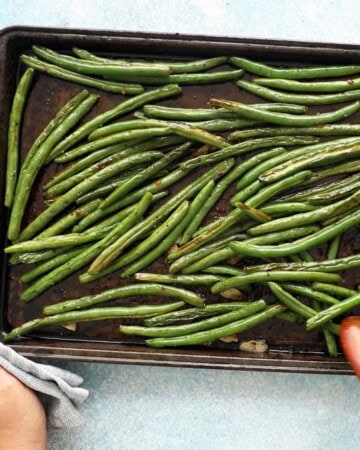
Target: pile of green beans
(169, 188)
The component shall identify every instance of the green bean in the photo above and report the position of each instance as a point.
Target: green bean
(183, 78)
(287, 119)
(234, 216)
(226, 182)
(274, 275)
(330, 339)
(300, 99)
(97, 215)
(335, 219)
(88, 254)
(346, 129)
(205, 324)
(307, 218)
(252, 175)
(113, 312)
(14, 135)
(118, 111)
(175, 66)
(272, 209)
(54, 122)
(333, 248)
(91, 159)
(333, 289)
(294, 73)
(253, 213)
(336, 193)
(194, 313)
(200, 114)
(156, 252)
(63, 202)
(195, 134)
(124, 136)
(192, 280)
(305, 291)
(68, 75)
(144, 174)
(333, 265)
(223, 270)
(65, 240)
(302, 162)
(225, 253)
(125, 292)
(293, 304)
(112, 252)
(192, 220)
(201, 337)
(73, 180)
(299, 245)
(312, 86)
(206, 250)
(50, 264)
(35, 257)
(117, 127)
(332, 312)
(246, 147)
(89, 68)
(347, 167)
(27, 178)
(68, 220)
(151, 221)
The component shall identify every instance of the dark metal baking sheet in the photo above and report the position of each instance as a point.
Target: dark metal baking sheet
(291, 348)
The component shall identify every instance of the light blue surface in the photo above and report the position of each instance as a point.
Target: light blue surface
(163, 408)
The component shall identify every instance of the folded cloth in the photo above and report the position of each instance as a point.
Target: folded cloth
(58, 389)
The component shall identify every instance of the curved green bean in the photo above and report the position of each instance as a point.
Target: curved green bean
(113, 312)
(89, 68)
(299, 245)
(175, 66)
(15, 119)
(300, 99)
(205, 324)
(201, 337)
(287, 119)
(68, 75)
(294, 73)
(130, 290)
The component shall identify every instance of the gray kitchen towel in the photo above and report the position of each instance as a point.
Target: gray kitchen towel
(58, 389)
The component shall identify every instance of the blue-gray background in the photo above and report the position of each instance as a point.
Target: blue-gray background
(163, 408)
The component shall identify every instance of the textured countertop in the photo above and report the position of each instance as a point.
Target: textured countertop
(165, 408)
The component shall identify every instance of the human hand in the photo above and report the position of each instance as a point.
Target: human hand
(22, 416)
